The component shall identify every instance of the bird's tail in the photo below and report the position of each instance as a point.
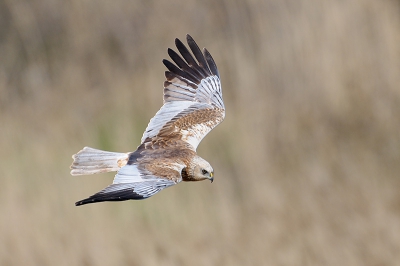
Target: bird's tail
(92, 161)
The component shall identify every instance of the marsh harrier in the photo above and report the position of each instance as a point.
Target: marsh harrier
(193, 106)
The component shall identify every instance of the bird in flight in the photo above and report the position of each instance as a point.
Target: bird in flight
(192, 107)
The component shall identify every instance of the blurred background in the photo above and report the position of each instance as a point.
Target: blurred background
(307, 161)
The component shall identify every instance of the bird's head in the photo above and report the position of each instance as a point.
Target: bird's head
(202, 170)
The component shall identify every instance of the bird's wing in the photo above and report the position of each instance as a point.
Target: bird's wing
(139, 182)
(193, 103)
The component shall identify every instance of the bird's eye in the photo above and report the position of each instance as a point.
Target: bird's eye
(204, 171)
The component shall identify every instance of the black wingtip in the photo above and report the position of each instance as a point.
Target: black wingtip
(79, 203)
(194, 64)
(170, 51)
(85, 201)
(189, 38)
(118, 195)
(211, 63)
(177, 42)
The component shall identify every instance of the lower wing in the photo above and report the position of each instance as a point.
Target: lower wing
(132, 183)
(128, 191)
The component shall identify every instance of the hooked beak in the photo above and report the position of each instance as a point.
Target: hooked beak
(212, 177)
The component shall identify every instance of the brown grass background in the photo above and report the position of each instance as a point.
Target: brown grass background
(307, 161)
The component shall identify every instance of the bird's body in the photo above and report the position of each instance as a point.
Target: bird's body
(193, 106)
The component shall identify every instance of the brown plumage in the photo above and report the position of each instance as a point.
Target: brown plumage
(193, 106)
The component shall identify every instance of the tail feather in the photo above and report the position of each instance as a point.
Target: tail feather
(92, 161)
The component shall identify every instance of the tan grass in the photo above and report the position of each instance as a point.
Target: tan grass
(307, 161)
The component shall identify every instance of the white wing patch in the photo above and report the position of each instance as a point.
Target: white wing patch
(136, 190)
(168, 111)
(149, 188)
(209, 91)
(131, 178)
(208, 95)
(128, 174)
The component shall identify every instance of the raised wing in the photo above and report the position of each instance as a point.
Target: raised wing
(193, 103)
(136, 182)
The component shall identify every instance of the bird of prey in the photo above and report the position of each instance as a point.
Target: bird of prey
(192, 107)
